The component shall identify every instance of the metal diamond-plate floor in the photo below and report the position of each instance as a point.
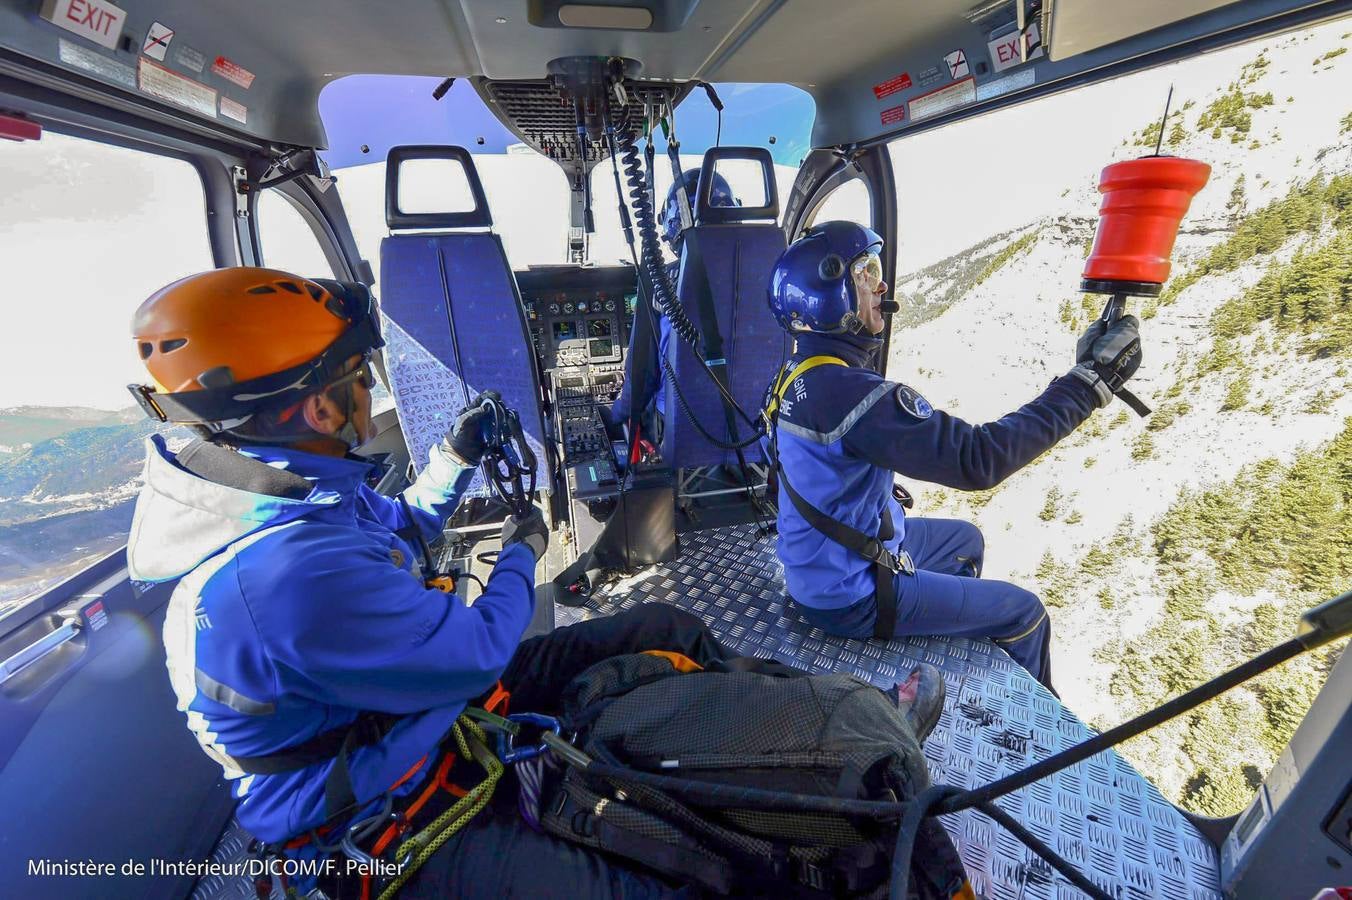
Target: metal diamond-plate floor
(232, 854)
(1102, 815)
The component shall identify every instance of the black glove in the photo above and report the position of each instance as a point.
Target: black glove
(529, 529)
(1108, 355)
(466, 437)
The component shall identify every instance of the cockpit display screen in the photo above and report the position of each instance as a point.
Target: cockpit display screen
(565, 330)
(601, 348)
(598, 328)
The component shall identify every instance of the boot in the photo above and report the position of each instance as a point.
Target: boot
(921, 699)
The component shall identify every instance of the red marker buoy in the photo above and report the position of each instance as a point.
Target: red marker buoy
(1144, 200)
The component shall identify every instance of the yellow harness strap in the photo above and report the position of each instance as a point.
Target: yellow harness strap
(802, 368)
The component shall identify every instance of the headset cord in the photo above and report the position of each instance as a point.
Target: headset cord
(661, 290)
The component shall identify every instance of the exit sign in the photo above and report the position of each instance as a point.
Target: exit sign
(95, 20)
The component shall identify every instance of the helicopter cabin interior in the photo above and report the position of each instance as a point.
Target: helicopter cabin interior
(95, 761)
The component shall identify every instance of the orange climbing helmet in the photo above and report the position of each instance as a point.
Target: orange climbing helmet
(220, 345)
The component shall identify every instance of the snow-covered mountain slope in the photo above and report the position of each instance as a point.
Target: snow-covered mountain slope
(1245, 361)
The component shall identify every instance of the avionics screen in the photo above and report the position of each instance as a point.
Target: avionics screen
(599, 328)
(602, 347)
(565, 330)
(630, 301)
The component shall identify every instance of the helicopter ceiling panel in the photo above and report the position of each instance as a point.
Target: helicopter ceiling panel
(535, 112)
(1102, 815)
(255, 68)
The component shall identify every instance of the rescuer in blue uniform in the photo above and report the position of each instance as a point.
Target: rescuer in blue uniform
(651, 392)
(854, 564)
(313, 661)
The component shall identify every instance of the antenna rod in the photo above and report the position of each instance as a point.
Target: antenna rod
(1159, 139)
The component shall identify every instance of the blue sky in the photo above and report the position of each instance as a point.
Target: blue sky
(382, 111)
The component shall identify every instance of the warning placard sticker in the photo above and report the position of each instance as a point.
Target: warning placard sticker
(997, 87)
(892, 85)
(932, 75)
(957, 64)
(82, 57)
(233, 109)
(189, 57)
(233, 71)
(893, 115)
(160, 82)
(944, 99)
(157, 40)
(95, 615)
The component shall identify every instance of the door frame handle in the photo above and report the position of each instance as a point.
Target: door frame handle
(66, 632)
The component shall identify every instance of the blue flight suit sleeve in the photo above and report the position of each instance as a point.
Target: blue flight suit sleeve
(432, 498)
(344, 626)
(944, 449)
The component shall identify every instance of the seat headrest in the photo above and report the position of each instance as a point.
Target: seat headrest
(478, 217)
(707, 214)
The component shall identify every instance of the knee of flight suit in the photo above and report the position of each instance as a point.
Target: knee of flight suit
(1025, 611)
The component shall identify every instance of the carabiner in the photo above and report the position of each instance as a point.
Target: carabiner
(509, 753)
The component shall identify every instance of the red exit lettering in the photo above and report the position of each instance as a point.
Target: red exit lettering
(1008, 51)
(87, 15)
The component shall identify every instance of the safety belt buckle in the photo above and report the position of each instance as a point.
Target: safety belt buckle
(902, 562)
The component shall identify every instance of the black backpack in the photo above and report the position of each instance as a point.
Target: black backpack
(751, 724)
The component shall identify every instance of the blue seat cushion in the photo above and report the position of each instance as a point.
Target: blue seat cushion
(738, 259)
(454, 326)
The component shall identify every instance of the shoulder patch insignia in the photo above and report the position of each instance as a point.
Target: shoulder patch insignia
(912, 403)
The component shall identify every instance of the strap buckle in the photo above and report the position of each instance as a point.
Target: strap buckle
(905, 565)
(899, 562)
(813, 876)
(143, 394)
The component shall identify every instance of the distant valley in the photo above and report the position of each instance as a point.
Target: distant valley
(68, 477)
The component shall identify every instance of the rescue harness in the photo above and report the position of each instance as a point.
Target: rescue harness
(886, 564)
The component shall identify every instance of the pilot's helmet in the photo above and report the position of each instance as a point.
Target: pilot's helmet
(669, 219)
(812, 286)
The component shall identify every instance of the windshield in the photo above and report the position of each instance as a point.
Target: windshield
(366, 115)
(777, 117)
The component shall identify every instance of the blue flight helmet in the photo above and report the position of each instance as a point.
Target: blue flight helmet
(669, 219)
(811, 286)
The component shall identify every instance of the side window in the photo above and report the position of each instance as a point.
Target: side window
(1173, 547)
(288, 241)
(87, 232)
(849, 202)
(290, 244)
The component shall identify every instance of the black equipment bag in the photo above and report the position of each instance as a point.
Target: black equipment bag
(756, 724)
